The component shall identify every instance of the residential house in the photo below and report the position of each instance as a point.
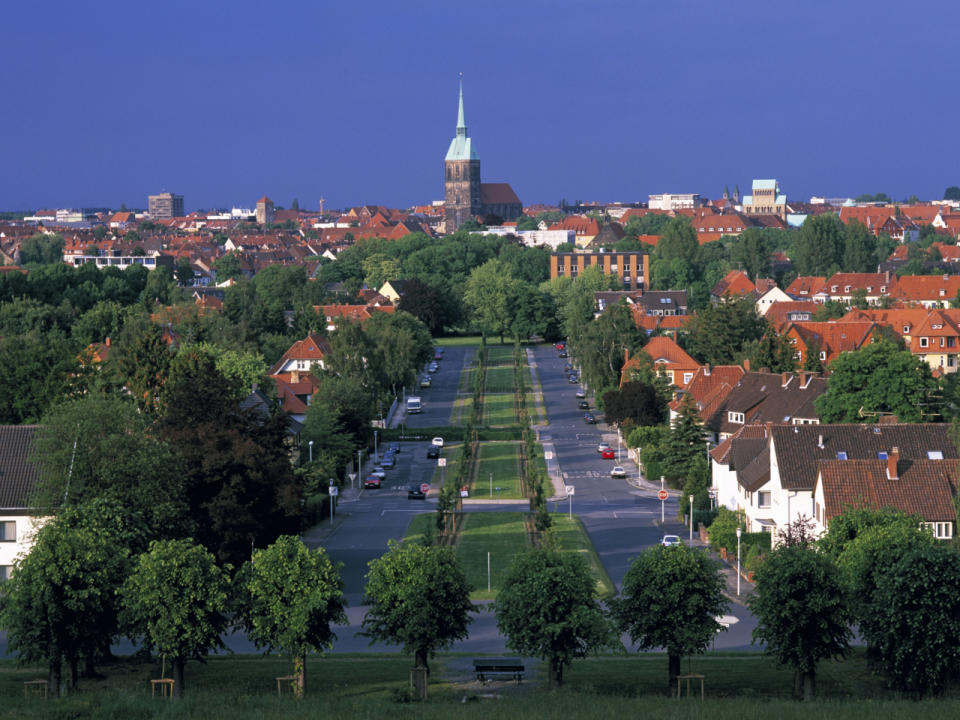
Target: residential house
(773, 481)
(18, 478)
(708, 388)
(923, 487)
(931, 291)
(782, 313)
(633, 268)
(586, 228)
(770, 297)
(303, 355)
(762, 396)
(845, 287)
(805, 287)
(931, 335)
(668, 358)
(735, 284)
(830, 338)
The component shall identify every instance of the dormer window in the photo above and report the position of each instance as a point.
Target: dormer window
(883, 288)
(934, 455)
(841, 454)
(882, 455)
(906, 328)
(833, 288)
(735, 417)
(823, 355)
(846, 288)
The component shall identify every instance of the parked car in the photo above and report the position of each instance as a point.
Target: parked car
(433, 452)
(603, 446)
(388, 460)
(618, 472)
(433, 367)
(394, 447)
(583, 405)
(581, 393)
(669, 540)
(608, 454)
(589, 419)
(425, 381)
(417, 491)
(438, 441)
(372, 481)
(573, 379)
(563, 353)
(379, 472)
(560, 345)
(438, 356)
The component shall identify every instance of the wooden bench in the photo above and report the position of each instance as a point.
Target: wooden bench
(485, 668)
(288, 680)
(165, 685)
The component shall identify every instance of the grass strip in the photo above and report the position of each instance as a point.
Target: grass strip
(498, 467)
(573, 538)
(499, 409)
(503, 535)
(500, 380)
(499, 355)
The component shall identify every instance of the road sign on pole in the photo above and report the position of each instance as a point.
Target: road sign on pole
(442, 462)
(570, 489)
(662, 494)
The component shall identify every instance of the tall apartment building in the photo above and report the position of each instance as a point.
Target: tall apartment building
(674, 201)
(165, 206)
(633, 268)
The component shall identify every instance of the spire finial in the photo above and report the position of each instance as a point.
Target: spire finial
(461, 123)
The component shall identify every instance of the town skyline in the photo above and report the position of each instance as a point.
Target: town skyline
(186, 100)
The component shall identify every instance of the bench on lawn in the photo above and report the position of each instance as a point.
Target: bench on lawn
(489, 667)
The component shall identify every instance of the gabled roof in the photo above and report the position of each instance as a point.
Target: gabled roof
(735, 283)
(918, 288)
(665, 354)
(833, 337)
(18, 476)
(723, 453)
(768, 397)
(922, 487)
(805, 286)
(313, 347)
(498, 194)
(710, 387)
(781, 313)
(800, 447)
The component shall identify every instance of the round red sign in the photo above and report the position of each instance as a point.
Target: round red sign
(662, 494)
(425, 488)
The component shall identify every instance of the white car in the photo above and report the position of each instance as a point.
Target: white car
(437, 442)
(581, 393)
(603, 446)
(379, 472)
(669, 540)
(618, 472)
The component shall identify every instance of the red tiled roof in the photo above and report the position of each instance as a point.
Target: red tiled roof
(498, 194)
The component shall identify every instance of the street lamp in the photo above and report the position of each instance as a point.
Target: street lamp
(310, 445)
(691, 519)
(738, 561)
(376, 455)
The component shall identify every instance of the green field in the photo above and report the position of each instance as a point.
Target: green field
(457, 341)
(499, 409)
(500, 380)
(452, 454)
(503, 535)
(499, 355)
(502, 460)
(739, 686)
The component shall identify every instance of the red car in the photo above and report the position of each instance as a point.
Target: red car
(608, 454)
(372, 481)
(560, 346)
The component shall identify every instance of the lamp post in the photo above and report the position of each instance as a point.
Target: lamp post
(310, 446)
(376, 455)
(618, 446)
(738, 561)
(691, 519)
(359, 464)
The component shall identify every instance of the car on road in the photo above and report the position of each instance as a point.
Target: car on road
(603, 446)
(394, 447)
(417, 491)
(568, 368)
(438, 356)
(589, 419)
(438, 441)
(583, 405)
(379, 472)
(388, 460)
(433, 452)
(372, 481)
(425, 381)
(573, 379)
(608, 454)
(618, 472)
(563, 354)
(433, 367)
(560, 346)
(669, 540)
(581, 393)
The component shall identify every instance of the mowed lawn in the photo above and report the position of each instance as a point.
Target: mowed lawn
(499, 409)
(499, 355)
(573, 539)
(503, 535)
(499, 460)
(500, 380)
(452, 454)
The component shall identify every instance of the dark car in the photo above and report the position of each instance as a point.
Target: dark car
(573, 379)
(583, 405)
(372, 481)
(417, 491)
(438, 356)
(563, 354)
(433, 452)
(394, 447)
(388, 460)
(589, 419)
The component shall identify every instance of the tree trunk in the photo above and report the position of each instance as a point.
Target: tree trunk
(300, 670)
(673, 662)
(74, 664)
(90, 665)
(53, 682)
(420, 659)
(556, 672)
(809, 685)
(178, 664)
(797, 685)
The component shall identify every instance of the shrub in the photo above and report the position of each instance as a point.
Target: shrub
(723, 530)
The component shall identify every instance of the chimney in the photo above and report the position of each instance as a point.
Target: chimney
(820, 441)
(706, 370)
(886, 276)
(107, 342)
(746, 364)
(785, 378)
(626, 356)
(892, 461)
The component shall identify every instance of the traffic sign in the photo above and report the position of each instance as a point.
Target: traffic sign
(425, 488)
(570, 489)
(441, 462)
(662, 494)
(352, 476)
(334, 491)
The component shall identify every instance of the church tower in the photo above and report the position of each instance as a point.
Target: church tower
(462, 176)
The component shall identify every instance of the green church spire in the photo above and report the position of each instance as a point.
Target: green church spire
(461, 148)
(461, 123)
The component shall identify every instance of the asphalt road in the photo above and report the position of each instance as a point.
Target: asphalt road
(438, 399)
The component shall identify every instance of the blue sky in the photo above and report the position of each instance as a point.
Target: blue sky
(108, 101)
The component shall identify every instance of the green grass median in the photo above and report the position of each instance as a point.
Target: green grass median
(498, 466)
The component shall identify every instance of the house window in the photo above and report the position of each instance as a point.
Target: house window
(841, 454)
(763, 499)
(5, 572)
(735, 417)
(8, 531)
(934, 455)
(882, 455)
(924, 342)
(823, 355)
(940, 530)
(687, 377)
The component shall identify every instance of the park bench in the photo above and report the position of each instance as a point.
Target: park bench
(486, 668)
